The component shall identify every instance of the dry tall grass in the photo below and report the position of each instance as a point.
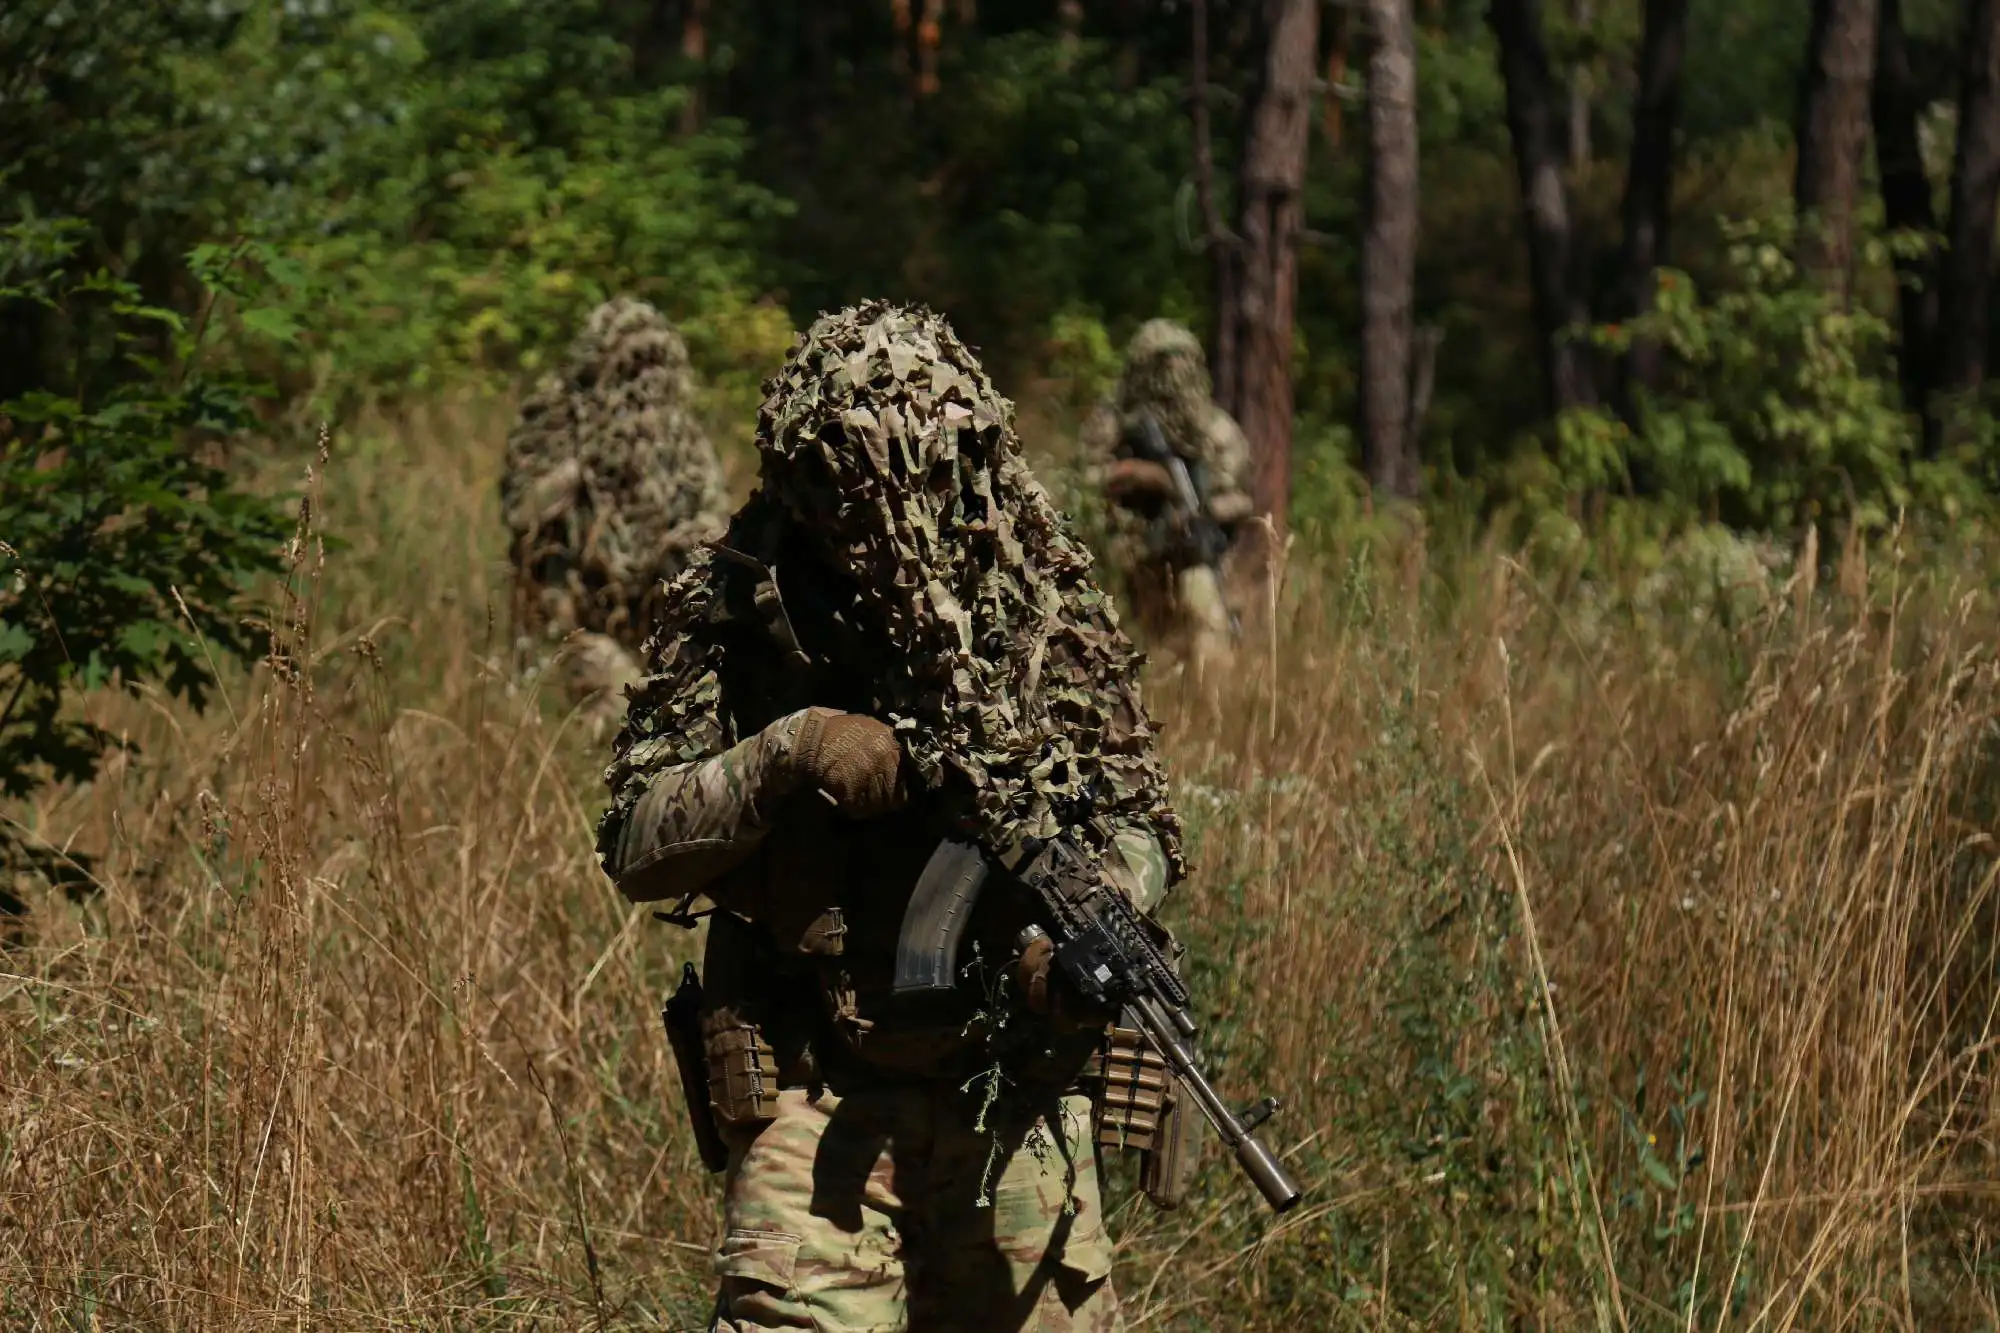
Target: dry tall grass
(1616, 975)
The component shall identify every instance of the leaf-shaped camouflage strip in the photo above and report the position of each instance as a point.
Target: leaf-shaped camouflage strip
(1003, 665)
(1166, 375)
(996, 657)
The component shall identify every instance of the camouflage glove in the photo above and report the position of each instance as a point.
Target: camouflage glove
(1130, 479)
(852, 758)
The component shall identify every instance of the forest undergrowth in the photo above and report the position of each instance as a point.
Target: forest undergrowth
(1616, 970)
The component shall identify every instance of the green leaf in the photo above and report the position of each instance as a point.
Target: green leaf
(143, 639)
(273, 324)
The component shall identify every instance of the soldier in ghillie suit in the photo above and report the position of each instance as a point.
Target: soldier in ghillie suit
(897, 640)
(1170, 544)
(610, 483)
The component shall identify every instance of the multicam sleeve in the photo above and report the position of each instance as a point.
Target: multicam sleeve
(697, 821)
(1097, 443)
(1138, 866)
(1225, 466)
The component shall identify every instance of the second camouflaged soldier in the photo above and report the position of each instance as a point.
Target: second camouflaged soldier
(1170, 527)
(897, 640)
(609, 484)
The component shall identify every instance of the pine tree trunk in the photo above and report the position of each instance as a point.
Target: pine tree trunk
(1649, 180)
(1270, 196)
(1579, 95)
(1389, 251)
(1897, 104)
(930, 36)
(1967, 269)
(1533, 118)
(1217, 239)
(1330, 114)
(1832, 135)
(694, 50)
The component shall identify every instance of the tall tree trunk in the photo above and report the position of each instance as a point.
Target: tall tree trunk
(1218, 240)
(1897, 105)
(1832, 134)
(1561, 313)
(1579, 95)
(1649, 180)
(1967, 269)
(694, 50)
(1389, 251)
(1270, 197)
(1330, 114)
(930, 36)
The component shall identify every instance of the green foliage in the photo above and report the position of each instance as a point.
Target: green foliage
(1066, 187)
(1079, 353)
(1743, 64)
(460, 182)
(1329, 494)
(1779, 408)
(126, 547)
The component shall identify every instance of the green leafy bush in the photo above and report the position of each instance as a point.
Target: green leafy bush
(460, 182)
(126, 548)
(1779, 409)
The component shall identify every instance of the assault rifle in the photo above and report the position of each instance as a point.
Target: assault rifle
(1110, 956)
(1195, 530)
(1199, 532)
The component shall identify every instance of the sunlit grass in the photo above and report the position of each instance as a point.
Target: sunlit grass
(1614, 974)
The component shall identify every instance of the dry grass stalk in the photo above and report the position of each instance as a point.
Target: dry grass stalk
(354, 1035)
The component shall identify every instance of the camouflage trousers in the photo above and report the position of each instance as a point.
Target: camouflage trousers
(1187, 608)
(862, 1214)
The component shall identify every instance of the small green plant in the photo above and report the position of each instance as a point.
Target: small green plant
(123, 545)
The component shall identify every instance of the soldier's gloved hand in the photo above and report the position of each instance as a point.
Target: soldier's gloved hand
(1231, 508)
(1047, 993)
(1130, 479)
(854, 759)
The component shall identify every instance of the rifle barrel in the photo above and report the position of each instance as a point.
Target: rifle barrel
(1266, 1172)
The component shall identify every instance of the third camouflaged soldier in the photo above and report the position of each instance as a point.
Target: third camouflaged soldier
(609, 484)
(1175, 469)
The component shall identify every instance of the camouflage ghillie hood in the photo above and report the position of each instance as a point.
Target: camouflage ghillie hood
(1166, 373)
(992, 652)
(610, 481)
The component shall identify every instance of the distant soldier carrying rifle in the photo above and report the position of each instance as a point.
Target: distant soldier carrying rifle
(1175, 470)
(891, 735)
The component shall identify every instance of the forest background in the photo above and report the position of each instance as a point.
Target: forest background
(1595, 848)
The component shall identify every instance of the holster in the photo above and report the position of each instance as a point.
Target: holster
(682, 1016)
(729, 1071)
(1140, 1108)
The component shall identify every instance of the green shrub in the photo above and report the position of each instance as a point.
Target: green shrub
(460, 182)
(1782, 407)
(126, 548)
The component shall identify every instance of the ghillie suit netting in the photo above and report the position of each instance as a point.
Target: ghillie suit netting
(984, 640)
(610, 482)
(1166, 374)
